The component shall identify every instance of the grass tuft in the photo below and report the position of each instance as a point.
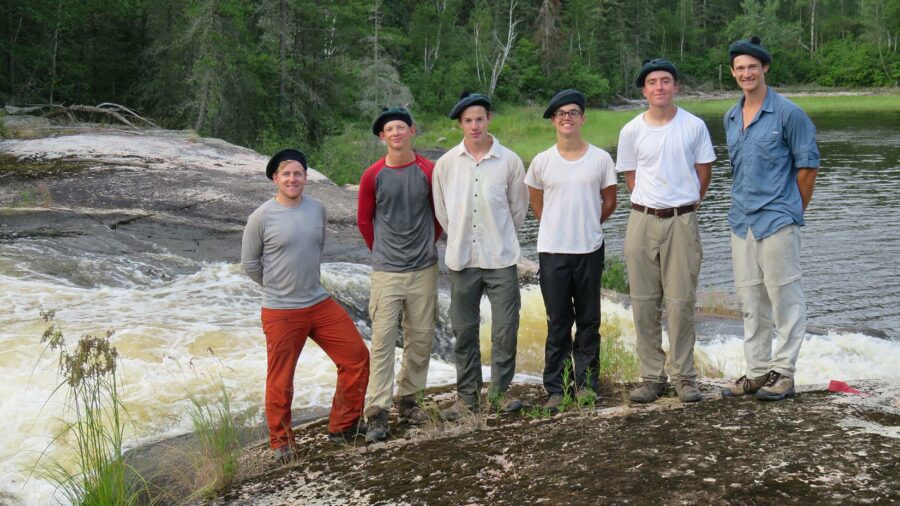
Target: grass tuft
(219, 436)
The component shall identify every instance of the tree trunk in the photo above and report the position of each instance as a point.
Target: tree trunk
(55, 50)
(282, 58)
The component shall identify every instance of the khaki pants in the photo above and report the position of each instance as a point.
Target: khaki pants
(414, 294)
(768, 281)
(663, 258)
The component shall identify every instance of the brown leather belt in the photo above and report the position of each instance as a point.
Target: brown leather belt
(664, 213)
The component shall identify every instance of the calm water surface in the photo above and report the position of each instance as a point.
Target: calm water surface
(851, 242)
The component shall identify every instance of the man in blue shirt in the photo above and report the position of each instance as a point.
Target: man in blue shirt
(774, 158)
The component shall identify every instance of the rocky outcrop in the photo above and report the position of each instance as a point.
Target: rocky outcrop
(818, 448)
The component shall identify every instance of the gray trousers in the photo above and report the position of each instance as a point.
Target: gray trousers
(502, 289)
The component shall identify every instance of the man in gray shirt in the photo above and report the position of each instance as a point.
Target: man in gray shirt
(395, 216)
(281, 251)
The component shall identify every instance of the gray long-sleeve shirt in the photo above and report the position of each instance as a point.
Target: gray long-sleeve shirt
(281, 250)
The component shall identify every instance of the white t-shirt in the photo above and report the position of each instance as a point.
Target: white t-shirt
(570, 222)
(663, 159)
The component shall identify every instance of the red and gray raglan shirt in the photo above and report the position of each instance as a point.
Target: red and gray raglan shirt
(395, 215)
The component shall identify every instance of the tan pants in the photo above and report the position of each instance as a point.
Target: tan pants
(767, 278)
(414, 294)
(663, 259)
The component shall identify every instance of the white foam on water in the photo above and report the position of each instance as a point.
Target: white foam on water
(175, 338)
(849, 356)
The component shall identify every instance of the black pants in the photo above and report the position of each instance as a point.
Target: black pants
(570, 285)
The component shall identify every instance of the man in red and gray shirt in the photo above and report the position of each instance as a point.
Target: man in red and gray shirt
(396, 218)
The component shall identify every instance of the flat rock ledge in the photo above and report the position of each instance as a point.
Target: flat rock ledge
(818, 447)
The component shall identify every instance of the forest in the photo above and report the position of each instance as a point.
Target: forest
(268, 73)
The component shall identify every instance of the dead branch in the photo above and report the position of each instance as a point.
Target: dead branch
(119, 113)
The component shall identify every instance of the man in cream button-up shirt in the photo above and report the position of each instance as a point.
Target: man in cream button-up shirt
(480, 199)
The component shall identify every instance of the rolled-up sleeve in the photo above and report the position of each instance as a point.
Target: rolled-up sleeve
(800, 133)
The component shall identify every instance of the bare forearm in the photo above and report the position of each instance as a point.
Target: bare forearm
(806, 181)
(629, 180)
(608, 195)
(537, 202)
(704, 174)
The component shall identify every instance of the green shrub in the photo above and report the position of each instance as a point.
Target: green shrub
(615, 276)
(344, 157)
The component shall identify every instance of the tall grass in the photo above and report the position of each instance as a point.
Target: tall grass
(95, 424)
(220, 443)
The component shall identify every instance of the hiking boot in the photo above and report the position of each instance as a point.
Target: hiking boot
(506, 404)
(777, 387)
(744, 386)
(349, 434)
(587, 397)
(687, 390)
(458, 410)
(554, 401)
(377, 427)
(409, 412)
(283, 455)
(648, 391)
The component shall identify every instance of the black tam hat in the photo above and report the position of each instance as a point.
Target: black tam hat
(283, 156)
(565, 97)
(390, 114)
(752, 47)
(467, 100)
(652, 66)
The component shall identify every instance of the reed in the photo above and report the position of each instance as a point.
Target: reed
(94, 425)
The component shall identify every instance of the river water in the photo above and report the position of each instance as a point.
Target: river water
(851, 241)
(179, 333)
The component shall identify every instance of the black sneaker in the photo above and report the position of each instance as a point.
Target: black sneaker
(348, 435)
(377, 427)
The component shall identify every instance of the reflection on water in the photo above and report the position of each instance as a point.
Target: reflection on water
(851, 242)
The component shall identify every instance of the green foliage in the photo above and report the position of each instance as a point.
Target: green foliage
(344, 157)
(615, 276)
(298, 71)
(95, 424)
(854, 64)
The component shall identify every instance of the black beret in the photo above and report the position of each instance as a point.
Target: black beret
(565, 97)
(467, 99)
(284, 155)
(752, 47)
(390, 114)
(652, 66)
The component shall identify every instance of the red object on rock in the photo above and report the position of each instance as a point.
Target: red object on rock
(840, 386)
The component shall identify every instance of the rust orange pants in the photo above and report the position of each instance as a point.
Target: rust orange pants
(331, 328)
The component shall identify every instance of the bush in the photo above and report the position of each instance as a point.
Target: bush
(343, 158)
(220, 447)
(615, 276)
(849, 63)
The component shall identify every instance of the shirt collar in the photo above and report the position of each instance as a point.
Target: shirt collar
(767, 106)
(494, 152)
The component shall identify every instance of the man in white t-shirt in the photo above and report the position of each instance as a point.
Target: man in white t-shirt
(572, 187)
(666, 155)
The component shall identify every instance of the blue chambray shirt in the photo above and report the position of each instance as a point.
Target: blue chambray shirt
(765, 159)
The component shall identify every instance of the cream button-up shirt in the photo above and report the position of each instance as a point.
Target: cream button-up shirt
(481, 206)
